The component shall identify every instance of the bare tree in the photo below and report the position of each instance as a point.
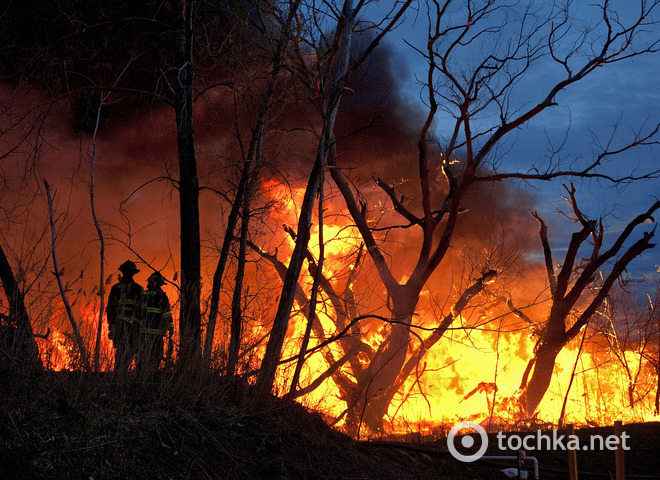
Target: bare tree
(190, 315)
(570, 286)
(75, 328)
(96, 365)
(350, 370)
(277, 27)
(341, 49)
(332, 70)
(478, 54)
(629, 330)
(17, 332)
(17, 128)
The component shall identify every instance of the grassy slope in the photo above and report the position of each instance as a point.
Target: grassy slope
(102, 427)
(81, 427)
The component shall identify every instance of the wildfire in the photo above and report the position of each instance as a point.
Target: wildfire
(467, 375)
(472, 374)
(478, 378)
(58, 350)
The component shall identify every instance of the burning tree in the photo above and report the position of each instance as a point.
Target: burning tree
(328, 77)
(568, 288)
(478, 54)
(630, 333)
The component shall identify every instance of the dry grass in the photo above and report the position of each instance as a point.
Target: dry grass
(191, 425)
(171, 426)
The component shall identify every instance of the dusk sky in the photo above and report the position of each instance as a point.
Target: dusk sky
(624, 95)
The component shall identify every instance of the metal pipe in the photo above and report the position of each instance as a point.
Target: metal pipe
(533, 459)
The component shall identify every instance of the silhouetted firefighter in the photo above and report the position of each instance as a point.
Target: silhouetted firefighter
(122, 313)
(156, 321)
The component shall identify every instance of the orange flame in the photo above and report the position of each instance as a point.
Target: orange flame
(468, 375)
(472, 375)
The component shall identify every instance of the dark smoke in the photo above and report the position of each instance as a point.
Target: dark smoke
(80, 45)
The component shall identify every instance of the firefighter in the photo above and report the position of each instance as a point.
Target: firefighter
(156, 322)
(122, 315)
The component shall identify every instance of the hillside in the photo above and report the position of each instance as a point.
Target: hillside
(99, 426)
(77, 426)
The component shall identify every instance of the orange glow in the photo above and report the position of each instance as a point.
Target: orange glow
(57, 350)
(457, 384)
(467, 375)
(461, 387)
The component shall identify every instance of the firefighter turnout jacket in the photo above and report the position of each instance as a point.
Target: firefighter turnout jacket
(155, 314)
(122, 309)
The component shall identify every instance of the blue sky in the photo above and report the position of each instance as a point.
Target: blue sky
(625, 93)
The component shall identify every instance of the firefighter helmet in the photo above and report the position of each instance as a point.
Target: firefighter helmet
(128, 268)
(157, 279)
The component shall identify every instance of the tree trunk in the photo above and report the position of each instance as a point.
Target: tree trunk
(252, 163)
(236, 303)
(190, 316)
(77, 337)
(383, 371)
(372, 399)
(338, 74)
(566, 293)
(24, 346)
(415, 358)
(99, 326)
(544, 364)
(311, 316)
(281, 321)
(232, 220)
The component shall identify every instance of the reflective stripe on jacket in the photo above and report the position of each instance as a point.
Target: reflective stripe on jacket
(123, 303)
(127, 308)
(154, 310)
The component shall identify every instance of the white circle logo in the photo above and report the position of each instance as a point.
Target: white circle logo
(467, 442)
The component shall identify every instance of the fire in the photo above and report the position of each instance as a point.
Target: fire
(341, 238)
(470, 374)
(467, 375)
(326, 397)
(478, 378)
(58, 350)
